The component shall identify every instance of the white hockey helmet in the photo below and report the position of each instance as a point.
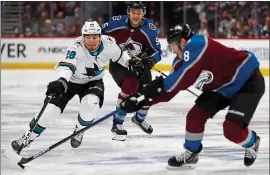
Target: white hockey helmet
(91, 28)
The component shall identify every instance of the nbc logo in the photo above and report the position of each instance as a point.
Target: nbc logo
(41, 49)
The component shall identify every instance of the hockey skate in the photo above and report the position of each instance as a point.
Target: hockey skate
(16, 144)
(187, 160)
(76, 141)
(143, 125)
(251, 152)
(119, 133)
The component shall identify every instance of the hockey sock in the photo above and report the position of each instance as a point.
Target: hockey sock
(49, 115)
(235, 132)
(119, 117)
(129, 86)
(38, 129)
(141, 115)
(81, 123)
(193, 145)
(251, 138)
(195, 124)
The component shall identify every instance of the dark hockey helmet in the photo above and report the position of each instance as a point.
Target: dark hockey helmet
(179, 31)
(136, 5)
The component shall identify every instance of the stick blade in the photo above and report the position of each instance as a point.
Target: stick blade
(21, 165)
(12, 155)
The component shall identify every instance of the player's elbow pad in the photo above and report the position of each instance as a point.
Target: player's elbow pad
(64, 72)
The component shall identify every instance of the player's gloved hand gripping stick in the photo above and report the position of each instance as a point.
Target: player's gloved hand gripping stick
(164, 75)
(136, 101)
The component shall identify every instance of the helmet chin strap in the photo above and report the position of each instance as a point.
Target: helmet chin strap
(178, 45)
(180, 48)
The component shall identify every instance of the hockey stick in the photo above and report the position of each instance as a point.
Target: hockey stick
(167, 75)
(22, 160)
(163, 74)
(46, 102)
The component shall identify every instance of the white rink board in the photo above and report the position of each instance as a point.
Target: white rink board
(141, 154)
(44, 50)
(259, 47)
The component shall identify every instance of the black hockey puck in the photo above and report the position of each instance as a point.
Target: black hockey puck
(21, 165)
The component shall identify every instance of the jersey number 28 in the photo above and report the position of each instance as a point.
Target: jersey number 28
(71, 54)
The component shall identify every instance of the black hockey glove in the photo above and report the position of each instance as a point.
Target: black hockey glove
(154, 89)
(149, 63)
(135, 65)
(58, 87)
(133, 102)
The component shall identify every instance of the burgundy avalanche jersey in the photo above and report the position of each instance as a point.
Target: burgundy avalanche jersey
(142, 39)
(209, 66)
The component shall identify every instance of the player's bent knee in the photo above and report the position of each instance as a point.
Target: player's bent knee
(232, 130)
(130, 85)
(90, 100)
(89, 107)
(98, 91)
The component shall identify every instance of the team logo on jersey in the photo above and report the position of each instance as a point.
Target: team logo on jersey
(78, 44)
(93, 71)
(110, 39)
(133, 47)
(205, 77)
(152, 26)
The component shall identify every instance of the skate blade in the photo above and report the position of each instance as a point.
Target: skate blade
(119, 137)
(12, 155)
(187, 166)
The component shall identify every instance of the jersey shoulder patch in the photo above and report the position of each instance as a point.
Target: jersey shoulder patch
(108, 39)
(149, 24)
(149, 28)
(152, 26)
(77, 43)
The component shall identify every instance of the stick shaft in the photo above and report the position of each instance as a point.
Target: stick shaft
(46, 102)
(26, 160)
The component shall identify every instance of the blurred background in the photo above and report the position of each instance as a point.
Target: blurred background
(65, 18)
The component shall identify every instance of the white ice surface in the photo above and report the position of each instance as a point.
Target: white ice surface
(23, 94)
